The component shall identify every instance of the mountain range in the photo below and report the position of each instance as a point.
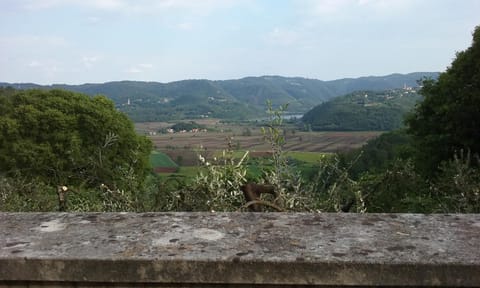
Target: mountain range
(228, 99)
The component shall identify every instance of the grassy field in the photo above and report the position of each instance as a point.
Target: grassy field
(161, 163)
(307, 157)
(159, 159)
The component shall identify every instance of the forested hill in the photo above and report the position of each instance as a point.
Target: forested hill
(230, 99)
(363, 110)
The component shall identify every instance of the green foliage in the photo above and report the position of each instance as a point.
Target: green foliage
(18, 194)
(23, 195)
(215, 187)
(397, 189)
(65, 138)
(287, 182)
(448, 118)
(362, 111)
(378, 154)
(275, 137)
(457, 184)
(221, 180)
(187, 126)
(333, 190)
(400, 189)
(102, 199)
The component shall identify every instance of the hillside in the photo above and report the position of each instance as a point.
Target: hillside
(228, 99)
(363, 111)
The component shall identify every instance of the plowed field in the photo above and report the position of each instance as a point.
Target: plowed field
(300, 141)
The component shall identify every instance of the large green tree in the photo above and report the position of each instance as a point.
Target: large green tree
(448, 119)
(67, 138)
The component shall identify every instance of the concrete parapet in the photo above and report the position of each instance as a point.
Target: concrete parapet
(238, 249)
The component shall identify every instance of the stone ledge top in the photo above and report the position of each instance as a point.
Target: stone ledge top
(249, 242)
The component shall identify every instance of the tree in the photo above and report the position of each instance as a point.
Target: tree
(448, 118)
(67, 138)
(378, 154)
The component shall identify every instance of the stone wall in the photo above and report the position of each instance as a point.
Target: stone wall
(238, 249)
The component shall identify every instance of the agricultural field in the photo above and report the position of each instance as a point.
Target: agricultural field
(178, 152)
(325, 142)
(162, 163)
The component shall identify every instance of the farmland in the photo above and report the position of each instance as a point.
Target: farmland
(183, 148)
(162, 163)
(300, 141)
(250, 137)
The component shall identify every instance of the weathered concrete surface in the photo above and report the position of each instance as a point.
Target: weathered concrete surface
(240, 248)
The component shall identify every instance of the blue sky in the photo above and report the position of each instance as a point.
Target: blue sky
(92, 41)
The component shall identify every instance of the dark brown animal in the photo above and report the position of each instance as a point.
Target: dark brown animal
(252, 192)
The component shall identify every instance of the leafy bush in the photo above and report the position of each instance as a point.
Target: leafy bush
(457, 184)
(18, 194)
(397, 189)
(221, 181)
(333, 190)
(23, 195)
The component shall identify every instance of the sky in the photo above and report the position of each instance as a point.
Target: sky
(95, 41)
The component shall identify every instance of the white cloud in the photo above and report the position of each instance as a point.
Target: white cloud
(327, 7)
(89, 61)
(139, 68)
(42, 57)
(47, 67)
(201, 7)
(283, 36)
(133, 70)
(35, 5)
(105, 4)
(23, 48)
(340, 10)
(34, 63)
(385, 4)
(95, 4)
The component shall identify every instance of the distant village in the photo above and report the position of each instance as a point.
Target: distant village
(172, 131)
